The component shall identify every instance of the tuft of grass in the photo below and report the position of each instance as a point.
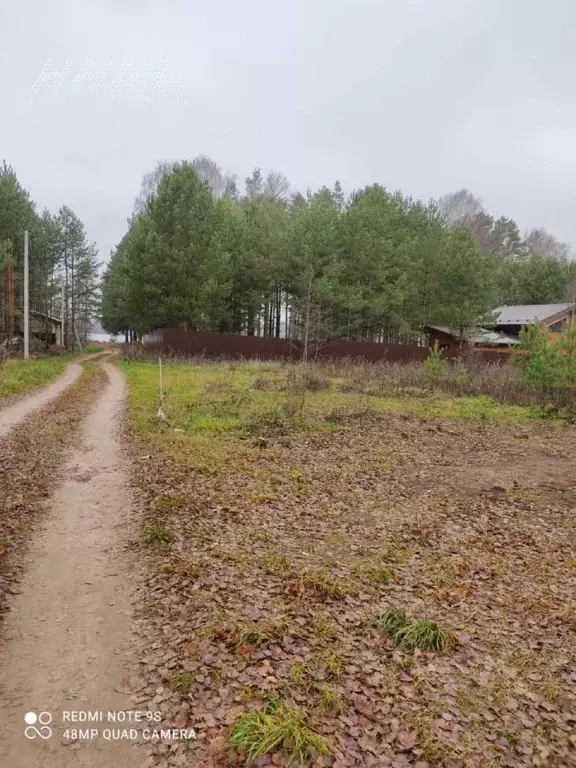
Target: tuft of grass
(158, 534)
(182, 682)
(330, 702)
(279, 727)
(260, 534)
(391, 622)
(326, 586)
(272, 421)
(374, 574)
(266, 384)
(279, 564)
(251, 635)
(314, 382)
(424, 635)
(324, 666)
(175, 501)
(408, 635)
(218, 628)
(185, 569)
(324, 629)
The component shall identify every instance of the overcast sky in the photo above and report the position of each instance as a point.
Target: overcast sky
(427, 96)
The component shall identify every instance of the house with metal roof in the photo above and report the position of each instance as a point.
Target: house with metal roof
(503, 333)
(555, 317)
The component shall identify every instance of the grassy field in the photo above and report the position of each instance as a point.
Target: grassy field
(20, 376)
(346, 574)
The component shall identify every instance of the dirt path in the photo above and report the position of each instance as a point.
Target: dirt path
(13, 415)
(67, 635)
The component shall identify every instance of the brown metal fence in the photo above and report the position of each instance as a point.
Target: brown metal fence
(224, 345)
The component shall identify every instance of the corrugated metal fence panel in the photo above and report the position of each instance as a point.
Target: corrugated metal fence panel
(253, 347)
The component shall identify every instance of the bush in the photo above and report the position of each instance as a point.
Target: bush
(540, 358)
(435, 365)
(272, 421)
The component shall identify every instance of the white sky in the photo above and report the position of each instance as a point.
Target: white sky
(423, 95)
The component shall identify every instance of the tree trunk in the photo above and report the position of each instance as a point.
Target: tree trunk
(307, 321)
(250, 322)
(278, 311)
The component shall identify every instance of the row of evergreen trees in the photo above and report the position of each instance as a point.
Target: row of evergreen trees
(60, 257)
(376, 266)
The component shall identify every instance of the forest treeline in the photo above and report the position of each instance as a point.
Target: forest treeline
(378, 265)
(60, 256)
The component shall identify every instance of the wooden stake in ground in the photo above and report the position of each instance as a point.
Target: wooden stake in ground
(161, 415)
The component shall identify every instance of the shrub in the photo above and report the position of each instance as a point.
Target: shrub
(271, 421)
(539, 357)
(435, 365)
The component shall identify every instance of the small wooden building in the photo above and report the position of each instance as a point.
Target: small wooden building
(478, 339)
(43, 327)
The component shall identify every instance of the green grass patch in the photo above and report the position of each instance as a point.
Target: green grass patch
(411, 635)
(218, 415)
(219, 400)
(280, 727)
(323, 585)
(424, 635)
(182, 682)
(252, 635)
(374, 574)
(158, 534)
(392, 622)
(20, 376)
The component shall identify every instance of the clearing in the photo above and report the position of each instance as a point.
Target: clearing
(301, 524)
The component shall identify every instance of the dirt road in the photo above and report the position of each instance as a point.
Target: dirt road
(17, 413)
(67, 636)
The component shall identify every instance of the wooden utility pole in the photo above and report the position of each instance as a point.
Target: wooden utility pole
(62, 317)
(26, 300)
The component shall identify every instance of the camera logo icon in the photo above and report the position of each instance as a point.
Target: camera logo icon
(43, 720)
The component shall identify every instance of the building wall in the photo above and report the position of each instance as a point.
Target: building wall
(448, 344)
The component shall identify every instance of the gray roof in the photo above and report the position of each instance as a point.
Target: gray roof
(481, 336)
(528, 313)
(56, 320)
